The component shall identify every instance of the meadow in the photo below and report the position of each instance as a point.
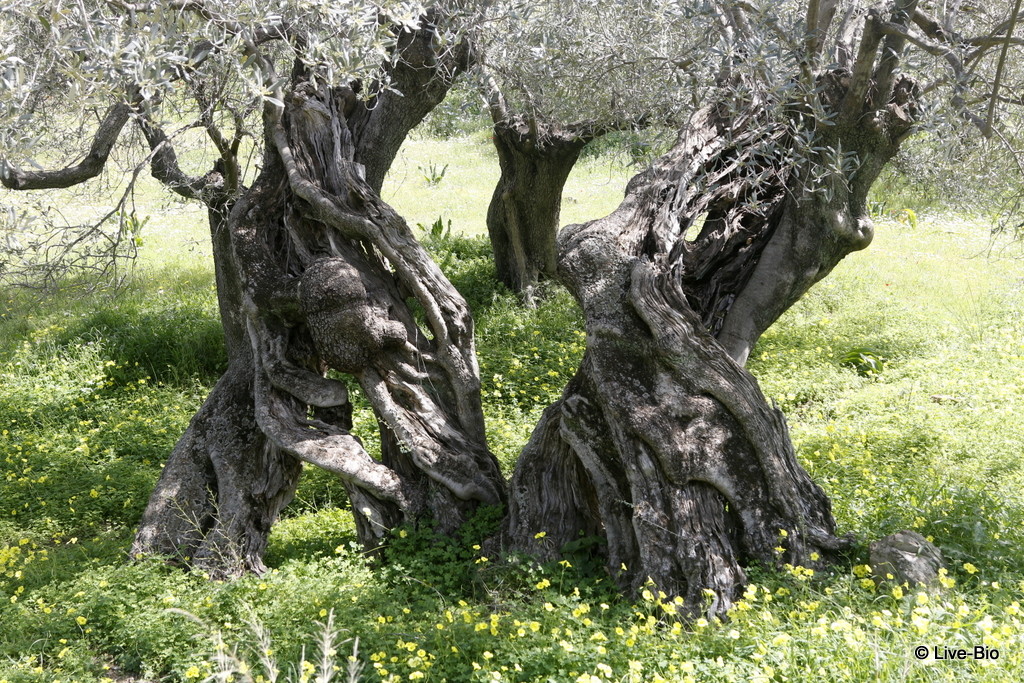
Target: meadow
(902, 377)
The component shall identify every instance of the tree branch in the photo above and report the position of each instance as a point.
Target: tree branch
(820, 14)
(934, 30)
(982, 44)
(844, 38)
(892, 50)
(319, 444)
(228, 149)
(260, 35)
(988, 42)
(496, 104)
(103, 141)
(737, 15)
(811, 42)
(853, 103)
(990, 118)
(929, 46)
(994, 34)
(932, 27)
(165, 168)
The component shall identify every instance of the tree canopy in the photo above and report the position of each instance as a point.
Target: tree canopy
(188, 65)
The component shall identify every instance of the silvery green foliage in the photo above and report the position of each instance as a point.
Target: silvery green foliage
(656, 61)
(596, 61)
(557, 61)
(183, 66)
(84, 54)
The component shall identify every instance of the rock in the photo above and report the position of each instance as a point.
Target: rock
(905, 557)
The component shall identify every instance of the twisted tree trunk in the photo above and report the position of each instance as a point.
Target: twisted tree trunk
(224, 483)
(239, 461)
(662, 441)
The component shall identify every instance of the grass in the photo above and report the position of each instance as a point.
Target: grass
(95, 388)
(594, 188)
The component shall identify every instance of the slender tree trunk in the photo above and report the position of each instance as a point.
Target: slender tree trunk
(522, 219)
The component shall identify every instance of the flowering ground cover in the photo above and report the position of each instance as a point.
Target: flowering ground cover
(929, 435)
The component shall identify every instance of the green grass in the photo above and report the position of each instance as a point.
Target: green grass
(96, 387)
(594, 188)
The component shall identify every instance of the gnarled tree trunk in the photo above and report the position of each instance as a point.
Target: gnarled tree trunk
(662, 440)
(224, 483)
(420, 78)
(351, 266)
(239, 461)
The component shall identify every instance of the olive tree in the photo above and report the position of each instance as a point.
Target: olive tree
(662, 444)
(337, 87)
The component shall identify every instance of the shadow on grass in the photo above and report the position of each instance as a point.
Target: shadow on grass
(161, 326)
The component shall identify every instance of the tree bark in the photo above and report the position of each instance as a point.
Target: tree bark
(239, 461)
(820, 222)
(419, 81)
(662, 440)
(693, 472)
(314, 272)
(353, 264)
(522, 218)
(224, 483)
